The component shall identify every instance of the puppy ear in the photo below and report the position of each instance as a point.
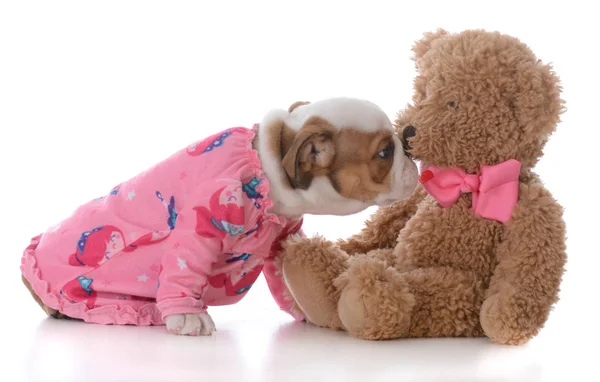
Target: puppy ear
(296, 104)
(310, 154)
(422, 46)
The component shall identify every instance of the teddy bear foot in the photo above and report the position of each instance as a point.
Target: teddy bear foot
(375, 302)
(309, 268)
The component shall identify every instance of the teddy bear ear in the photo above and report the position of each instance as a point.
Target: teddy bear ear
(296, 104)
(539, 98)
(422, 46)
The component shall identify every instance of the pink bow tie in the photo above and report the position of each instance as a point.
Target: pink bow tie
(495, 189)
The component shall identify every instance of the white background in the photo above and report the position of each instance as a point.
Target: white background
(91, 93)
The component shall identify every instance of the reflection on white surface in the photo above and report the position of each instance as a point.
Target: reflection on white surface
(257, 342)
(256, 350)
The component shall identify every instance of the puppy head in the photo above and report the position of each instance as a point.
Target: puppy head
(342, 156)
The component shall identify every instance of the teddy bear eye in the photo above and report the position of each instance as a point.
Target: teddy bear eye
(452, 105)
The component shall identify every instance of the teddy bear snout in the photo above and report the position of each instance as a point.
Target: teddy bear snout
(407, 133)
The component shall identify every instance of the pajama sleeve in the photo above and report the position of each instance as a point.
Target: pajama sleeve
(186, 264)
(274, 277)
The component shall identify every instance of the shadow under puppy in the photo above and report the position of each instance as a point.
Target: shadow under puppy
(198, 228)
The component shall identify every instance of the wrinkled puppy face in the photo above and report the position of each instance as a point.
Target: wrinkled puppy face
(343, 155)
(480, 98)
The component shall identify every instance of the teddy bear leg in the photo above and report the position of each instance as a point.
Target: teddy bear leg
(309, 268)
(449, 301)
(378, 302)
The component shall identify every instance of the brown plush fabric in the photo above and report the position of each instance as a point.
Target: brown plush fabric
(420, 270)
(381, 230)
(314, 265)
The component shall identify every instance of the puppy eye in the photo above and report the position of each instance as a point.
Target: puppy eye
(387, 152)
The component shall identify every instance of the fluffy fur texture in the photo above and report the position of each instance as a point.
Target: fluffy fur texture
(420, 270)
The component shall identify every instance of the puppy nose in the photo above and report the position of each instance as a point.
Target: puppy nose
(407, 133)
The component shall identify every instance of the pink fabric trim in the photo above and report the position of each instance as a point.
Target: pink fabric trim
(274, 276)
(283, 298)
(146, 315)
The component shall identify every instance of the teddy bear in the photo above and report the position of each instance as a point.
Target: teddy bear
(478, 250)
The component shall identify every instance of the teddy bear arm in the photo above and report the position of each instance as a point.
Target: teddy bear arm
(531, 259)
(382, 228)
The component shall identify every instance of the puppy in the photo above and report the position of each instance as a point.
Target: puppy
(198, 228)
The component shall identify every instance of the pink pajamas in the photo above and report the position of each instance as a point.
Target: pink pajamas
(190, 232)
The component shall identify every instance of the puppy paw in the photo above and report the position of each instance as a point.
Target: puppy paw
(190, 324)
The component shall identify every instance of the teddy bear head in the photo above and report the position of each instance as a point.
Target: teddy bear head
(480, 98)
